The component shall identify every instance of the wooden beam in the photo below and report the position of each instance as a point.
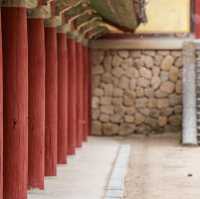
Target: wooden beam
(139, 43)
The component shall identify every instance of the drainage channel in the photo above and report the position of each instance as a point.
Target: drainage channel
(116, 184)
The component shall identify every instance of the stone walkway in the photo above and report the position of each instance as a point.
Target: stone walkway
(86, 174)
(160, 168)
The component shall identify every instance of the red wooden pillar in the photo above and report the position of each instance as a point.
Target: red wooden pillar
(84, 93)
(72, 96)
(80, 73)
(76, 98)
(197, 18)
(62, 98)
(89, 90)
(86, 88)
(15, 60)
(1, 115)
(67, 95)
(36, 44)
(76, 108)
(51, 101)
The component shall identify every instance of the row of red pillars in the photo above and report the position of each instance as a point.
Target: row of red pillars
(44, 101)
(197, 18)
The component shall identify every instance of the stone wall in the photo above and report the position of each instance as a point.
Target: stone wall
(136, 92)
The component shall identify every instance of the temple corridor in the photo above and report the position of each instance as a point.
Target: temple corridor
(99, 99)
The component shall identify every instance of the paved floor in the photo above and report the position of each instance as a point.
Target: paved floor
(86, 174)
(160, 168)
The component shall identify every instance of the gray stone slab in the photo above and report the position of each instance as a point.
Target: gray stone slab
(115, 187)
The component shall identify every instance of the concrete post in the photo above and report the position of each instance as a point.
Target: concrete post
(189, 95)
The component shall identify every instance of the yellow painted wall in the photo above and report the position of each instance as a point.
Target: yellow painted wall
(167, 16)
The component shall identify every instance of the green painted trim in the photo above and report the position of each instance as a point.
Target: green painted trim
(121, 13)
(19, 3)
(43, 12)
(53, 22)
(66, 28)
